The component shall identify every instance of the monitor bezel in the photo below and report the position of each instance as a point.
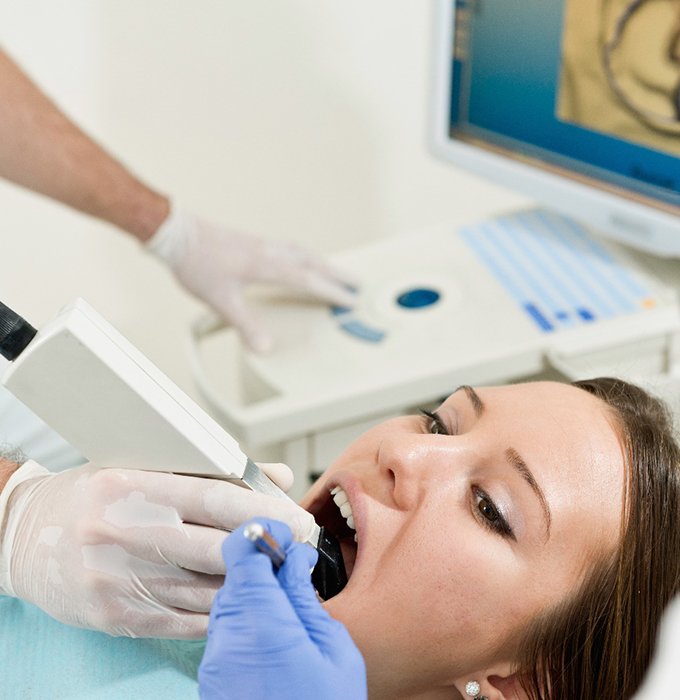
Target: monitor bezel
(630, 221)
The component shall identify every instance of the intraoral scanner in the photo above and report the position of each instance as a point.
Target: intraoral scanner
(90, 384)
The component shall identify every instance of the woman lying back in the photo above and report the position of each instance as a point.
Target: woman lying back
(524, 538)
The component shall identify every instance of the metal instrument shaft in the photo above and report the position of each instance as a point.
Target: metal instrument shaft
(265, 543)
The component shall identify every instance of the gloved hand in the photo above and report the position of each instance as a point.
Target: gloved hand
(123, 551)
(216, 265)
(269, 637)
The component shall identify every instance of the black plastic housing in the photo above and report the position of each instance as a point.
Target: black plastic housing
(15, 333)
(329, 576)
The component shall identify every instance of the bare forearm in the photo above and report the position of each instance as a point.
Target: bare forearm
(41, 149)
(7, 468)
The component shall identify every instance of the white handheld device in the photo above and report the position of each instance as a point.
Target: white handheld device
(91, 385)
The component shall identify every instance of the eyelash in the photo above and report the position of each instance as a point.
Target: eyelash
(496, 522)
(433, 423)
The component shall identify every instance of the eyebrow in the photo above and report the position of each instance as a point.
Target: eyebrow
(473, 396)
(520, 465)
(513, 457)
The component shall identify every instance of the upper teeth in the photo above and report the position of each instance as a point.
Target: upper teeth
(342, 502)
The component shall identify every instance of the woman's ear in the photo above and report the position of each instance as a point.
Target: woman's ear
(508, 687)
(497, 683)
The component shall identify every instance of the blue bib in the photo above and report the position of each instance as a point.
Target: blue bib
(43, 659)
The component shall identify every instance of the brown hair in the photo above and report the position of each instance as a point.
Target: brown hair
(598, 644)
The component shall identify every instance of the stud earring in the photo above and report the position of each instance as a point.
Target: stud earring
(472, 689)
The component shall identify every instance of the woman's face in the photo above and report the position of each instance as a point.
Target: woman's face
(469, 525)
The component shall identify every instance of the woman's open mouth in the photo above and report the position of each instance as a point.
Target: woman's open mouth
(334, 513)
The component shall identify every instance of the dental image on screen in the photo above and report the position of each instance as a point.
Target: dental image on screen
(588, 88)
(620, 70)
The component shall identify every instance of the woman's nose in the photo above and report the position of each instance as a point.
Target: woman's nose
(413, 464)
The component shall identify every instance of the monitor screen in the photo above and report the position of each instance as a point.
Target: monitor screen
(585, 91)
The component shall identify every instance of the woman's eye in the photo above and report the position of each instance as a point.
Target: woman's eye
(433, 423)
(491, 516)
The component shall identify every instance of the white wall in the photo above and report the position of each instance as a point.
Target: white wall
(294, 119)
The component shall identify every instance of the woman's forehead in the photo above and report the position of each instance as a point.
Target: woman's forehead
(545, 419)
(530, 398)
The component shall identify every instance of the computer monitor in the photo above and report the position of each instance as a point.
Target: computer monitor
(575, 103)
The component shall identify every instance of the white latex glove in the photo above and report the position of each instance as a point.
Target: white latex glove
(216, 264)
(127, 552)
